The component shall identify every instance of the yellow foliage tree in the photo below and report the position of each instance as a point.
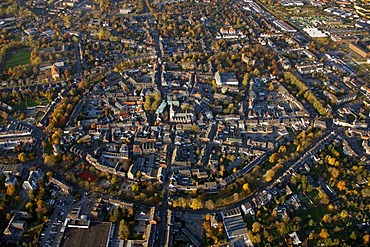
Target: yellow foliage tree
(344, 214)
(341, 185)
(326, 218)
(208, 217)
(331, 160)
(10, 190)
(196, 204)
(282, 149)
(334, 173)
(209, 205)
(273, 158)
(246, 187)
(366, 238)
(256, 227)
(29, 205)
(269, 175)
(330, 207)
(22, 157)
(324, 233)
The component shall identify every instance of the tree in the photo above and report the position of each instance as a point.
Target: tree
(269, 175)
(341, 185)
(246, 187)
(209, 205)
(366, 238)
(324, 233)
(324, 199)
(256, 227)
(135, 187)
(49, 174)
(331, 160)
(124, 231)
(326, 218)
(311, 222)
(256, 72)
(236, 196)
(344, 214)
(334, 173)
(273, 158)
(10, 190)
(101, 34)
(22, 157)
(207, 217)
(271, 86)
(256, 238)
(116, 215)
(49, 159)
(67, 74)
(245, 79)
(282, 149)
(93, 125)
(196, 204)
(365, 192)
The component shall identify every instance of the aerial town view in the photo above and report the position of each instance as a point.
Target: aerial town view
(159, 123)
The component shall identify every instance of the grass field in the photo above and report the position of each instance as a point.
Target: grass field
(48, 147)
(32, 103)
(17, 57)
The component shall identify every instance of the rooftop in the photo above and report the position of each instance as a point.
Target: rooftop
(96, 235)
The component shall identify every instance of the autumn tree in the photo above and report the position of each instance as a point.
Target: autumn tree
(269, 175)
(344, 214)
(209, 205)
(324, 199)
(334, 173)
(196, 203)
(324, 233)
(10, 190)
(273, 158)
(326, 218)
(341, 185)
(366, 238)
(124, 230)
(246, 187)
(256, 227)
(22, 157)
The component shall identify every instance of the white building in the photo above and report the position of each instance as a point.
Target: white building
(226, 79)
(32, 182)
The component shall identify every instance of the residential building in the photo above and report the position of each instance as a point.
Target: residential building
(33, 179)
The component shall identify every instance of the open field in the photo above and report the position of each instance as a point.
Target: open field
(17, 57)
(32, 103)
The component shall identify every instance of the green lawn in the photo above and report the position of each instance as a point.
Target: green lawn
(17, 57)
(32, 103)
(48, 148)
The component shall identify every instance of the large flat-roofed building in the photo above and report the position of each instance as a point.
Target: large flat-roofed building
(97, 235)
(235, 227)
(226, 79)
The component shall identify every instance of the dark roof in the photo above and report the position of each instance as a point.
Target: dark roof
(96, 235)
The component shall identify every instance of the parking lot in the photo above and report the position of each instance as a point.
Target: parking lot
(63, 204)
